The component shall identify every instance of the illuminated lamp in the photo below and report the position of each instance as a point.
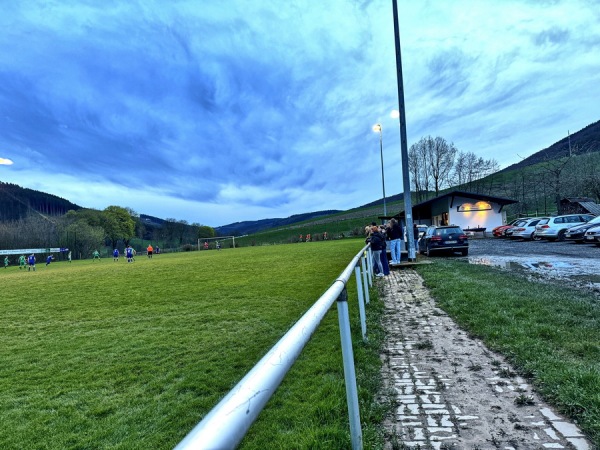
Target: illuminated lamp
(479, 206)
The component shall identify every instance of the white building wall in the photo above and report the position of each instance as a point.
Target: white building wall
(475, 219)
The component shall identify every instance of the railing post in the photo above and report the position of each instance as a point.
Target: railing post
(370, 266)
(365, 281)
(349, 372)
(361, 303)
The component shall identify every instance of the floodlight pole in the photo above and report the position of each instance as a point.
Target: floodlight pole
(403, 141)
(377, 128)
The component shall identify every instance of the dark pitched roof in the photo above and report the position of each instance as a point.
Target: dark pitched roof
(577, 199)
(591, 207)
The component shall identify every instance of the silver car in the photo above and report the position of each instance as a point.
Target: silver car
(555, 228)
(592, 235)
(527, 230)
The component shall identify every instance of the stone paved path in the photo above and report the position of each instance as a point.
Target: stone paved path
(451, 392)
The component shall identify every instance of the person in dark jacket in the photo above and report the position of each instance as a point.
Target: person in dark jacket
(394, 232)
(377, 241)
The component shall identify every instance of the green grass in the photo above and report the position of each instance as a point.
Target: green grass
(551, 333)
(111, 355)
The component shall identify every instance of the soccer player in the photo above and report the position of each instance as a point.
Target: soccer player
(96, 255)
(129, 254)
(6, 262)
(150, 250)
(49, 259)
(116, 254)
(31, 262)
(22, 262)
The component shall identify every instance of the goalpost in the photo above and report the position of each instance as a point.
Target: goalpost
(216, 239)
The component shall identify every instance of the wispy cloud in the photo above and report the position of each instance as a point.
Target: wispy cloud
(216, 112)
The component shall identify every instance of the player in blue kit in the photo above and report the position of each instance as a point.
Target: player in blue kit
(31, 262)
(115, 254)
(129, 254)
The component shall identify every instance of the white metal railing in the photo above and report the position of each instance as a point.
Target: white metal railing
(227, 423)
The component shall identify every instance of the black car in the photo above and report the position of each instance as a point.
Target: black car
(577, 233)
(444, 238)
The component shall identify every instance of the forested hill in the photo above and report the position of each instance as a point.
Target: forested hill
(17, 202)
(586, 140)
(249, 227)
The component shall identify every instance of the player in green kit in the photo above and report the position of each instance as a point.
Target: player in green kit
(22, 262)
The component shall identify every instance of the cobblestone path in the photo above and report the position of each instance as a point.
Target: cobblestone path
(450, 392)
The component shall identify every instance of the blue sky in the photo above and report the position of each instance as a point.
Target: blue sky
(218, 112)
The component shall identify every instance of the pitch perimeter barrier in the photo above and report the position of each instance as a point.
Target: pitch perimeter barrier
(228, 422)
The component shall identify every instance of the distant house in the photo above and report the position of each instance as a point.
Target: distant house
(579, 205)
(468, 210)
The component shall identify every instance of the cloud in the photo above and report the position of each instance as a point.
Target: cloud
(261, 109)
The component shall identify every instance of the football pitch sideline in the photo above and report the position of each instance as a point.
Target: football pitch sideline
(103, 354)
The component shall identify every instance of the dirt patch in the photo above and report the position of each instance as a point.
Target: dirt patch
(449, 391)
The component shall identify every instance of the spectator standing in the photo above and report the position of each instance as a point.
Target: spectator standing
(394, 232)
(416, 236)
(377, 242)
(384, 258)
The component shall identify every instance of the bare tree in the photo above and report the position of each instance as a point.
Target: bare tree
(553, 170)
(441, 161)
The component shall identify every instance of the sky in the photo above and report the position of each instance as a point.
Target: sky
(216, 112)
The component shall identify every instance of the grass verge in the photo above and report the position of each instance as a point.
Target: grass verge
(111, 355)
(550, 333)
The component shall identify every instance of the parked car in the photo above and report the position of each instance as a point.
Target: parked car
(508, 232)
(500, 231)
(422, 229)
(527, 230)
(592, 235)
(555, 228)
(577, 233)
(444, 238)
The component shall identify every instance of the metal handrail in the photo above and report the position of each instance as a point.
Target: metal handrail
(227, 423)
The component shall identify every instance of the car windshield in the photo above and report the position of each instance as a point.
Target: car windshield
(594, 220)
(445, 231)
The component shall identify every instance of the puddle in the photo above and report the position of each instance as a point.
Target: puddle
(578, 271)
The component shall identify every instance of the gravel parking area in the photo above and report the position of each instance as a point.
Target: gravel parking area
(566, 263)
(509, 247)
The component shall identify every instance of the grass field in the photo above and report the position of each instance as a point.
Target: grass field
(131, 356)
(550, 333)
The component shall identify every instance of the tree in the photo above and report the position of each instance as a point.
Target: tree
(118, 224)
(418, 167)
(82, 238)
(205, 231)
(441, 160)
